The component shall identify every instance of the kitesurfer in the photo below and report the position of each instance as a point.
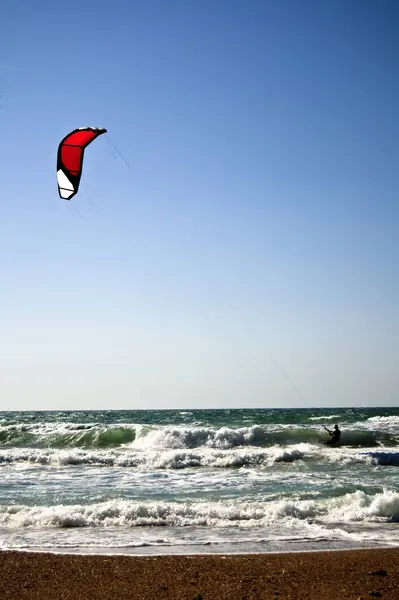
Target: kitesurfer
(335, 435)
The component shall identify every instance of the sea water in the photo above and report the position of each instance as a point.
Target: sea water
(175, 481)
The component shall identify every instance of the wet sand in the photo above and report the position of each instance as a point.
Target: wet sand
(343, 575)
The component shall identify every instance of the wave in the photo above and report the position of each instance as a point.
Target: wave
(171, 459)
(144, 437)
(177, 459)
(383, 458)
(389, 420)
(355, 507)
(74, 435)
(322, 418)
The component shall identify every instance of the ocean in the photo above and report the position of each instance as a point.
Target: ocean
(198, 481)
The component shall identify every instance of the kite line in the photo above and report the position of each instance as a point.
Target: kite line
(227, 302)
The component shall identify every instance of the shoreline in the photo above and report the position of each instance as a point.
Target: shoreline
(152, 553)
(303, 575)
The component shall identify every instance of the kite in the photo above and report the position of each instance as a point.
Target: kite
(70, 159)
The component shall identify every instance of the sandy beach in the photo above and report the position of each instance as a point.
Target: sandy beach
(343, 575)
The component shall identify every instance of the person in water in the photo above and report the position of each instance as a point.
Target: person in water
(335, 435)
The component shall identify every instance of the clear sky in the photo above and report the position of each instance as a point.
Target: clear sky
(255, 236)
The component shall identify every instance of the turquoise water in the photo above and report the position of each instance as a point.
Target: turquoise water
(198, 481)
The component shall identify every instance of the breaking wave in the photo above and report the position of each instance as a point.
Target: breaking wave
(175, 459)
(94, 435)
(357, 507)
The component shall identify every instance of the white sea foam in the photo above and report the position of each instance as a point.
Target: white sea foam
(156, 458)
(390, 420)
(357, 506)
(324, 418)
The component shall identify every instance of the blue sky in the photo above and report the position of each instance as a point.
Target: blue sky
(254, 237)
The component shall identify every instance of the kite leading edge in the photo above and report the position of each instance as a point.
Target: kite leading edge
(70, 159)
